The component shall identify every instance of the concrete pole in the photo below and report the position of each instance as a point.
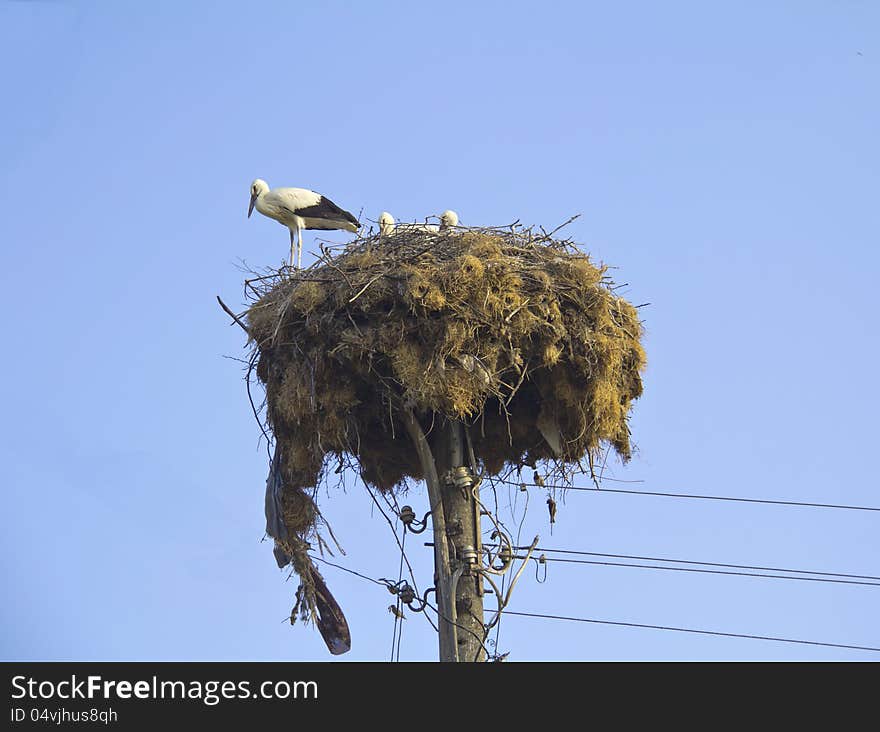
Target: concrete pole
(462, 519)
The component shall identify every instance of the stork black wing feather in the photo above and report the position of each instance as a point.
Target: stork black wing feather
(325, 209)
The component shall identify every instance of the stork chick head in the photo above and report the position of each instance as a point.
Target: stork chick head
(386, 223)
(448, 219)
(258, 188)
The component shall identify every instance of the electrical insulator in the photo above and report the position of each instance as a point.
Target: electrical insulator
(406, 594)
(407, 515)
(462, 477)
(469, 555)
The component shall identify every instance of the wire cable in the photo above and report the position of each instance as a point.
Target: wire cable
(393, 531)
(350, 571)
(460, 627)
(399, 640)
(399, 620)
(703, 497)
(695, 630)
(708, 571)
(381, 583)
(704, 564)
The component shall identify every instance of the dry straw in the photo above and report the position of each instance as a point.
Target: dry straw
(516, 333)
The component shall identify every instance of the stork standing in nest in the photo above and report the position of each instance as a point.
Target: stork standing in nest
(298, 209)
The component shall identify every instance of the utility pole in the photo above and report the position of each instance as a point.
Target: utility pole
(455, 518)
(462, 520)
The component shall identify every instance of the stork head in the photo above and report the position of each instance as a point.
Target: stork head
(386, 223)
(448, 219)
(258, 188)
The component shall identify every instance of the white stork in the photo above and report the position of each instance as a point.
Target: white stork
(298, 209)
(387, 225)
(448, 219)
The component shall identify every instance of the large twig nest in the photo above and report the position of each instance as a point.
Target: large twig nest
(517, 334)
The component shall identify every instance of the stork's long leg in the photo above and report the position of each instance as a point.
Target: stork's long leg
(299, 249)
(292, 250)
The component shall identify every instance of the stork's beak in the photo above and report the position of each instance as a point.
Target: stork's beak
(251, 206)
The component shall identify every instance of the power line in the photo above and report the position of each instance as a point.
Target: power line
(845, 579)
(397, 635)
(393, 529)
(707, 571)
(350, 571)
(638, 625)
(460, 627)
(694, 630)
(427, 604)
(382, 583)
(694, 495)
(705, 564)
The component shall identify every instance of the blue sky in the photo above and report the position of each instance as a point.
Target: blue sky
(724, 158)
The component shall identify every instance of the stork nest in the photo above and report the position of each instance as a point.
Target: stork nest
(516, 333)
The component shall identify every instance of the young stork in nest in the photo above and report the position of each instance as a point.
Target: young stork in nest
(387, 225)
(448, 220)
(298, 209)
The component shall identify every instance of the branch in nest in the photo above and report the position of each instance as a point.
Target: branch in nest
(233, 316)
